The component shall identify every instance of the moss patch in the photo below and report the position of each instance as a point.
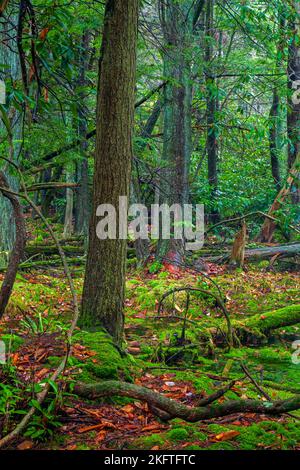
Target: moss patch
(107, 363)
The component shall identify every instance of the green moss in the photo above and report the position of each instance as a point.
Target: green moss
(199, 436)
(107, 363)
(147, 442)
(216, 428)
(178, 434)
(221, 446)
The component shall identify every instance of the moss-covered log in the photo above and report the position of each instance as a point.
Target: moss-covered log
(179, 410)
(257, 328)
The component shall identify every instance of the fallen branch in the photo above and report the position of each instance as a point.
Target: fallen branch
(175, 409)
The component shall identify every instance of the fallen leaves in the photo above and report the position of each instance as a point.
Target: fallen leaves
(226, 436)
(25, 445)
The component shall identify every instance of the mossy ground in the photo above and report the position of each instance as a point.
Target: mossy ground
(46, 301)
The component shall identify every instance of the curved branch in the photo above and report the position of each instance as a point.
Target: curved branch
(175, 409)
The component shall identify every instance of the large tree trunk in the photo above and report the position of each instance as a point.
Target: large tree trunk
(103, 292)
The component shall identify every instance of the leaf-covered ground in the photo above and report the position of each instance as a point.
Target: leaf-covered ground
(34, 331)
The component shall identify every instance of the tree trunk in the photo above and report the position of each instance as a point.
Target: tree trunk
(177, 24)
(9, 58)
(211, 110)
(82, 199)
(141, 245)
(103, 292)
(68, 224)
(274, 116)
(273, 138)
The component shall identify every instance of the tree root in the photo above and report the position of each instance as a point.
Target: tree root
(174, 409)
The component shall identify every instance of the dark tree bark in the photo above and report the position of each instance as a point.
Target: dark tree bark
(103, 292)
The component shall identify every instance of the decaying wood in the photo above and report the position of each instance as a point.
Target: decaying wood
(238, 249)
(261, 253)
(270, 251)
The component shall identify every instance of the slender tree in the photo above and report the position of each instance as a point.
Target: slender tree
(293, 117)
(211, 111)
(178, 22)
(103, 292)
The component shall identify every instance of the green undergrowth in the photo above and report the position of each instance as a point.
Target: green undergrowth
(266, 434)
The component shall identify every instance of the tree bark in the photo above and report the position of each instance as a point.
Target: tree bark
(103, 292)
(176, 409)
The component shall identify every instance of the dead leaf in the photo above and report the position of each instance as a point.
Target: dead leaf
(25, 445)
(226, 436)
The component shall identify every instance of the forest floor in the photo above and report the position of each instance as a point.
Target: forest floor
(34, 330)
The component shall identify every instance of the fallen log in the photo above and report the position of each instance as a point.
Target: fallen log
(261, 253)
(261, 325)
(270, 251)
(175, 409)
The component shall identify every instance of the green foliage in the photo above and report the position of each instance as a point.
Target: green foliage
(178, 434)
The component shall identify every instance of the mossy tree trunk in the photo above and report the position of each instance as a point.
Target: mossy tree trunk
(257, 328)
(103, 292)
